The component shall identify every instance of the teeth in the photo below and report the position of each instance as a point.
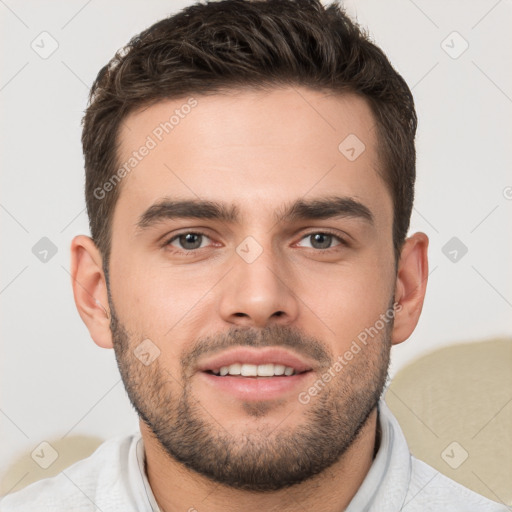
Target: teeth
(235, 369)
(249, 370)
(254, 370)
(279, 369)
(266, 370)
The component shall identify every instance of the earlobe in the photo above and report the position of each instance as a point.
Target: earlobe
(411, 285)
(90, 289)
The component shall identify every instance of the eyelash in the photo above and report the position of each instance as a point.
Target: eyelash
(341, 241)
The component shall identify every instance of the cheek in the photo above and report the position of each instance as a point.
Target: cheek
(349, 301)
(158, 300)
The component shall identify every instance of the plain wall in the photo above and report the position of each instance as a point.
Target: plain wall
(54, 380)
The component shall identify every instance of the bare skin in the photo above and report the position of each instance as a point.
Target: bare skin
(261, 152)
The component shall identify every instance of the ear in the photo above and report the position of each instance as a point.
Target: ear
(90, 289)
(411, 285)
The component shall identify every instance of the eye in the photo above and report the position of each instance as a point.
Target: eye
(189, 241)
(322, 240)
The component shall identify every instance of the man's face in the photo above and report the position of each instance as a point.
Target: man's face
(285, 258)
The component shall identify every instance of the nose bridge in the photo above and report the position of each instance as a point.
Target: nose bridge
(257, 292)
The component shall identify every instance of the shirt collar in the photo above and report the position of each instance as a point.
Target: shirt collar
(141, 463)
(385, 486)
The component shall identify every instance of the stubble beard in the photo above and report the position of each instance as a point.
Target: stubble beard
(269, 458)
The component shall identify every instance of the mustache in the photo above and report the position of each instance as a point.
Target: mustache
(271, 336)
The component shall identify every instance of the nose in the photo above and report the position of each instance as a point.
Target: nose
(258, 293)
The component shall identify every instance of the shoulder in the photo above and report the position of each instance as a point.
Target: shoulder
(87, 485)
(430, 490)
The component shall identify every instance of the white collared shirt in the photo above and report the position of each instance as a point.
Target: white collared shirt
(113, 479)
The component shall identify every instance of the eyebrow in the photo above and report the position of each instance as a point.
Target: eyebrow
(325, 208)
(187, 209)
(301, 209)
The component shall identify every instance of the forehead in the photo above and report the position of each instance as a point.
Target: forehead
(255, 149)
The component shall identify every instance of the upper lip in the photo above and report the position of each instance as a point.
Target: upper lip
(255, 356)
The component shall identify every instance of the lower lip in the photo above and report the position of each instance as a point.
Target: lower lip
(256, 388)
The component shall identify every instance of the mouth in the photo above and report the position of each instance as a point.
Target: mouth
(255, 374)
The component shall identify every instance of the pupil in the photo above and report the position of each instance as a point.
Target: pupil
(321, 240)
(190, 241)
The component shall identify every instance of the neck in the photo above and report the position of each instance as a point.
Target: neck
(178, 488)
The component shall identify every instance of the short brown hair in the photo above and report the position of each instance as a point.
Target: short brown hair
(230, 44)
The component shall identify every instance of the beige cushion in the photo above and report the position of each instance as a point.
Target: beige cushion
(455, 408)
(26, 470)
